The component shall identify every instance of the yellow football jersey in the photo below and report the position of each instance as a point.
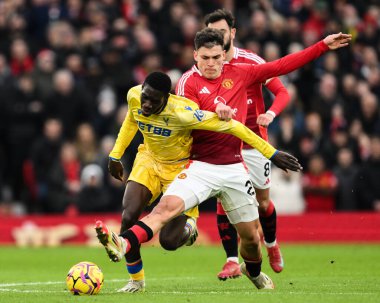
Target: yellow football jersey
(167, 135)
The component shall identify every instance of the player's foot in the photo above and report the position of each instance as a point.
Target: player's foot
(114, 244)
(262, 281)
(275, 258)
(191, 224)
(230, 270)
(133, 286)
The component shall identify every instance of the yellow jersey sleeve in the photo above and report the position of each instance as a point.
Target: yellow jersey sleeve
(206, 120)
(127, 131)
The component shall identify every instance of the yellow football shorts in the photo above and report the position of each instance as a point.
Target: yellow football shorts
(156, 176)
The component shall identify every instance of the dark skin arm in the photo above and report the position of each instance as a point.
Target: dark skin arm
(286, 162)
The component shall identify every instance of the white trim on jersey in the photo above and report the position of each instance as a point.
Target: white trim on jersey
(182, 82)
(248, 55)
(236, 51)
(183, 79)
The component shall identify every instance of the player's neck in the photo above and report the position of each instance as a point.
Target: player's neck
(230, 53)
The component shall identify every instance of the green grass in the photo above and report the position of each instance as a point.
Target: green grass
(326, 273)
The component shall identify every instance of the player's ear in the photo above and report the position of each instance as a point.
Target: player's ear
(195, 54)
(233, 33)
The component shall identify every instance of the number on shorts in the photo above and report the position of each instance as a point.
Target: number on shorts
(250, 190)
(266, 169)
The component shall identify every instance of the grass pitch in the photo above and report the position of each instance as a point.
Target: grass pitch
(326, 273)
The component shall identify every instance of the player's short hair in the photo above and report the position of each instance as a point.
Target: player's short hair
(220, 14)
(159, 81)
(208, 37)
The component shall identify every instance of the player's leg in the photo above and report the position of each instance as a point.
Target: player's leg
(268, 220)
(241, 208)
(168, 208)
(142, 188)
(260, 172)
(136, 198)
(250, 251)
(228, 235)
(172, 235)
(186, 191)
(183, 229)
(180, 231)
(245, 220)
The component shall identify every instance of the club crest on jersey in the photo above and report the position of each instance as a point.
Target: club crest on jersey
(228, 83)
(199, 114)
(188, 108)
(139, 111)
(182, 176)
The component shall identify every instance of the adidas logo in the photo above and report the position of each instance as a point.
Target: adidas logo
(204, 90)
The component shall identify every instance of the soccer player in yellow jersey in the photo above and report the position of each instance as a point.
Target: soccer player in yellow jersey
(166, 122)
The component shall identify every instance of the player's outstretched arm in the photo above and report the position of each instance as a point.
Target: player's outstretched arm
(261, 72)
(286, 161)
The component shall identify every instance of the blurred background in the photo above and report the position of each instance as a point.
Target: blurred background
(66, 66)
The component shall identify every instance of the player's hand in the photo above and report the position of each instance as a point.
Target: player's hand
(116, 169)
(224, 112)
(264, 119)
(286, 161)
(336, 41)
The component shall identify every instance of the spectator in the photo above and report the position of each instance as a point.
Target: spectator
(319, 186)
(44, 156)
(93, 196)
(69, 103)
(64, 181)
(367, 181)
(346, 172)
(287, 192)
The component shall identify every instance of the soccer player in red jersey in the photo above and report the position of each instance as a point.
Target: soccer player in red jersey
(259, 167)
(217, 167)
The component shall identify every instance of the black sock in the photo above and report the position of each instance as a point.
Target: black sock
(133, 255)
(253, 267)
(228, 235)
(268, 223)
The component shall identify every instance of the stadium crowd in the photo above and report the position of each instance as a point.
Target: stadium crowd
(65, 67)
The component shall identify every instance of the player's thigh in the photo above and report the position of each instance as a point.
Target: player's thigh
(243, 214)
(193, 185)
(237, 190)
(144, 172)
(168, 172)
(136, 197)
(259, 168)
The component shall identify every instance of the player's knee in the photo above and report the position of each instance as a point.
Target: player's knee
(263, 206)
(168, 207)
(168, 243)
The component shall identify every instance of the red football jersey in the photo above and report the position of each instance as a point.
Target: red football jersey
(231, 88)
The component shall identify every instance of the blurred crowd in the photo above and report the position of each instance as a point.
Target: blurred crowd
(66, 66)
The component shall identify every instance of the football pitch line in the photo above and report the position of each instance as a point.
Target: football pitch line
(9, 287)
(63, 282)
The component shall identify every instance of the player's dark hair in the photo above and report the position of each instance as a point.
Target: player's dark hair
(220, 14)
(159, 81)
(208, 37)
